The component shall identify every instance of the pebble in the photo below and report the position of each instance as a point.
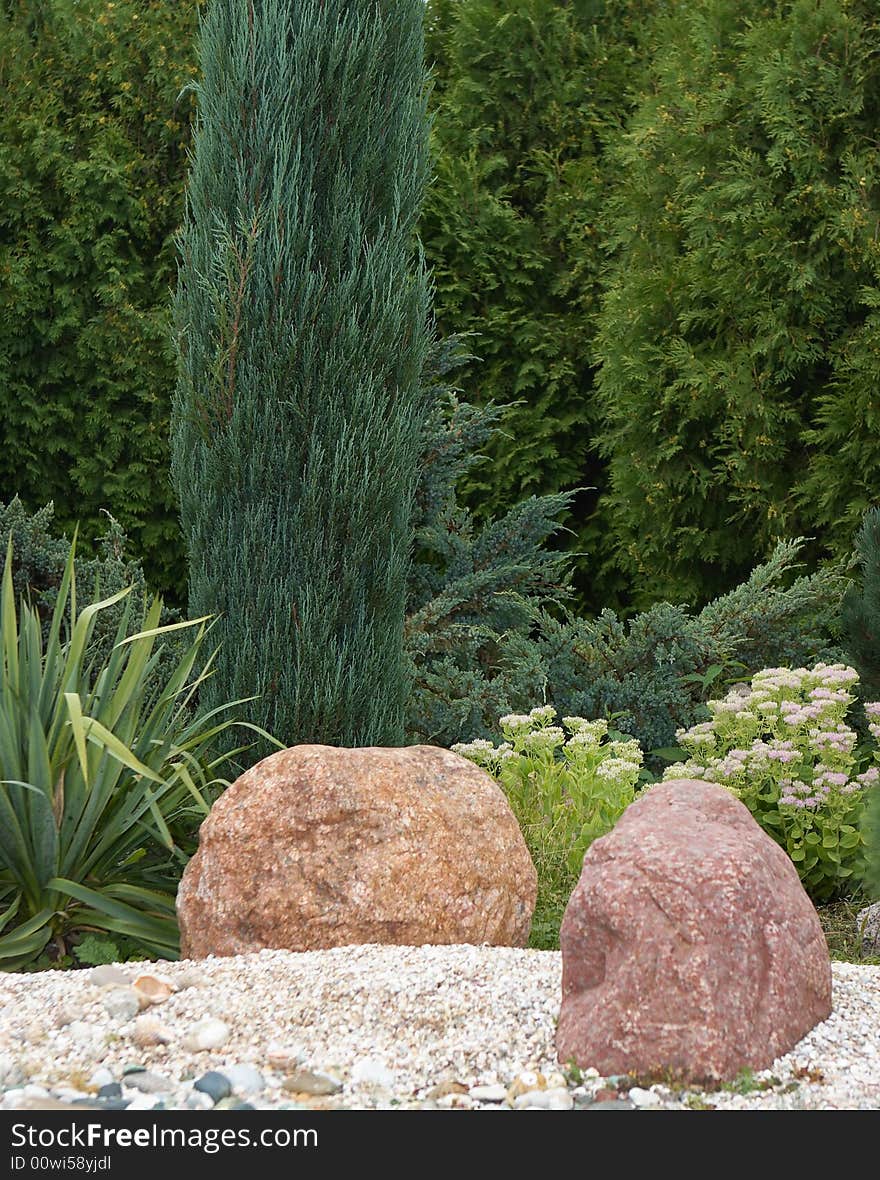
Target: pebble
(110, 1091)
(148, 1082)
(285, 1056)
(306, 1081)
(244, 1079)
(152, 989)
(445, 1088)
(644, 1098)
(604, 1094)
(556, 1098)
(206, 1034)
(149, 1030)
(101, 1077)
(187, 977)
(107, 975)
(121, 1003)
(215, 1085)
(488, 1093)
(11, 1073)
(66, 1015)
(455, 1027)
(144, 1102)
(370, 1071)
(198, 1100)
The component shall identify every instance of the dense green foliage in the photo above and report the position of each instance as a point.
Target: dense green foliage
(653, 674)
(92, 145)
(861, 608)
(567, 786)
(738, 338)
(474, 587)
(649, 675)
(302, 316)
(737, 346)
(528, 93)
(104, 773)
(39, 557)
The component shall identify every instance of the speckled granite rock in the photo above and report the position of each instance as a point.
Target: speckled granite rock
(689, 945)
(318, 847)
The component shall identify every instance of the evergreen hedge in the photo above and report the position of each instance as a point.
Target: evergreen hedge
(93, 136)
(739, 338)
(528, 95)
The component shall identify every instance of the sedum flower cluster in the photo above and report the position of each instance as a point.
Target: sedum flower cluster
(567, 784)
(783, 746)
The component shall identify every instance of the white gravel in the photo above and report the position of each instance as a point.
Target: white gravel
(381, 1026)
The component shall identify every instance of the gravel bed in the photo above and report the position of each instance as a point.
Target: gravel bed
(369, 1027)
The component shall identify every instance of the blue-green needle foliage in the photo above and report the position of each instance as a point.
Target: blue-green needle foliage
(302, 318)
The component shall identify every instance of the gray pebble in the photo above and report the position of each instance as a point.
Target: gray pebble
(121, 1003)
(245, 1078)
(214, 1084)
(147, 1082)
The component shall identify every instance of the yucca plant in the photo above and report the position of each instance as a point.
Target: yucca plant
(102, 762)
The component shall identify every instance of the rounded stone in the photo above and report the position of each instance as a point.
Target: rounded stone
(147, 1082)
(246, 1079)
(109, 976)
(214, 1084)
(408, 846)
(307, 1081)
(121, 1003)
(206, 1034)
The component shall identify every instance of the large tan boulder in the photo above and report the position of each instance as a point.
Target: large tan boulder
(319, 847)
(689, 946)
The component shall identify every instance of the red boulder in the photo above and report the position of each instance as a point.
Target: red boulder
(689, 946)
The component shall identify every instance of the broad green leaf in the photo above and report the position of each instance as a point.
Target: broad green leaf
(96, 732)
(77, 724)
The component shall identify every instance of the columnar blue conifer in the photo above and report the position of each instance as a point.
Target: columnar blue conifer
(302, 322)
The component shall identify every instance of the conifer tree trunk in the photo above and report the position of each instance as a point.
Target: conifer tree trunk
(302, 325)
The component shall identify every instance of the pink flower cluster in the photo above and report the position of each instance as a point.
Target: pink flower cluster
(872, 708)
(775, 752)
(838, 741)
(789, 722)
(797, 793)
